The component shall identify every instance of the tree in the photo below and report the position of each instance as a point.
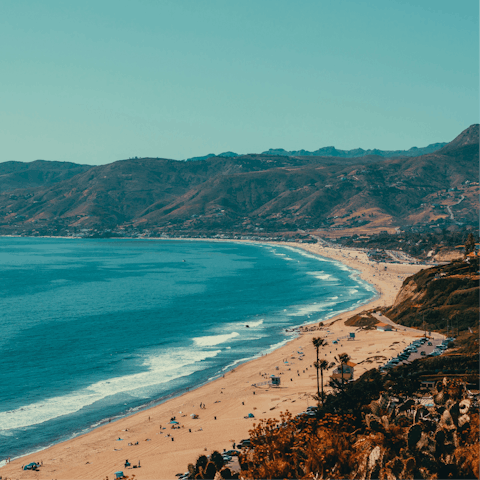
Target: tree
(217, 459)
(317, 343)
(323, 365)
(343, 359)
(469, 244)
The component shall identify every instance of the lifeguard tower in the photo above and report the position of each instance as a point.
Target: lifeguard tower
(274, 382)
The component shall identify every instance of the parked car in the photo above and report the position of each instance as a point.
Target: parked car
(422, 352)
(244, 443)
(232, 453)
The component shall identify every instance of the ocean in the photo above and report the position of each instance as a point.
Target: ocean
(92, 330)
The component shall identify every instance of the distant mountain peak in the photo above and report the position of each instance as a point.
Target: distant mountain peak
(210, 155)
(468, 137)
(331, 151)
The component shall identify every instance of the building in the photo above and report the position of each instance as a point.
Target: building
(347, 372)
(384, 327)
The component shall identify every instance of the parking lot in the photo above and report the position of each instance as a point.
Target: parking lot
(430, 347)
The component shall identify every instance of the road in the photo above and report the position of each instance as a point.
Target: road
(450, 210)
(416, 331)
(435, 338)
(401, 257)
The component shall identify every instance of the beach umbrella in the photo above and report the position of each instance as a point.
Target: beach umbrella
(173, 421)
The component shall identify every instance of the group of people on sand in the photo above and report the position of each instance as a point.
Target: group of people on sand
(127, 464)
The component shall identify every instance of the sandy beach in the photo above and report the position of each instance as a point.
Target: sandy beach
(163, 452)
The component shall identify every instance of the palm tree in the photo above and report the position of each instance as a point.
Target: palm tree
(343, 359)
(317, 343)
(323, 365)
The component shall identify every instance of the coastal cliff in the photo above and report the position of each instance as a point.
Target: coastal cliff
(437, 295)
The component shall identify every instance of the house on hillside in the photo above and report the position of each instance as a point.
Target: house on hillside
(347, 372)
(384, 327)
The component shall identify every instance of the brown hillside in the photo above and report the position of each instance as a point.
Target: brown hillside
(273, 192)
(40, 173)
(447, 292)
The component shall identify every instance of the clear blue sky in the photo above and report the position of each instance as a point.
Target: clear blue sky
(98, 81)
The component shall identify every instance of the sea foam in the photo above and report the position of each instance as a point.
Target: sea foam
(161, 369)
(212, 340)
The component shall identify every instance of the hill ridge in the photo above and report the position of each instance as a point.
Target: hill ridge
(251, 193)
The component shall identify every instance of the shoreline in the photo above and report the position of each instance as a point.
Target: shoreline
(106, 457)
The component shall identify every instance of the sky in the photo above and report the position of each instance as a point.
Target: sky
(93, 82)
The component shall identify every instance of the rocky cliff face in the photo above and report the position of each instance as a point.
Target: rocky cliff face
(448, 292)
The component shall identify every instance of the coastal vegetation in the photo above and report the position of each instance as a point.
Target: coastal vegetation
(445, 297)
(320, 367)
(379, 427)
(417, 420)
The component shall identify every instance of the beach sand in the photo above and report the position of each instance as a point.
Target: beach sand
(164, 452)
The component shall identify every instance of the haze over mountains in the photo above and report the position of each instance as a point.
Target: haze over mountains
(40, 173)
(268, 193)
(333, 152)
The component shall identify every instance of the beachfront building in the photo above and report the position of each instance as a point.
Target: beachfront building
(384, 327)
(347, 372)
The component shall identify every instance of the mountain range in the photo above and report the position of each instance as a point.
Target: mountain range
(333, 152)
(269, 193)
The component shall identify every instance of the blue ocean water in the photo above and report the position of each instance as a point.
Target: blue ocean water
(96, 329)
